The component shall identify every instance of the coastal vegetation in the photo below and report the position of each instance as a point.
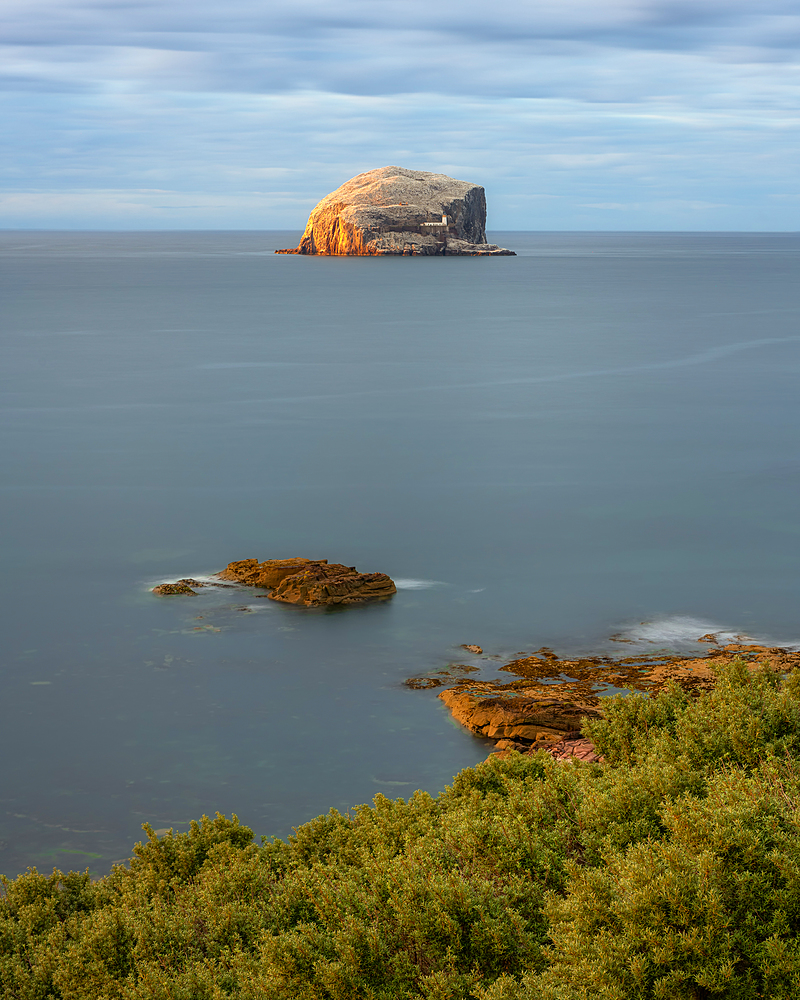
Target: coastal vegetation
(670, 871)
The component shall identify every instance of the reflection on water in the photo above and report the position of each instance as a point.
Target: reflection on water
(592, 439)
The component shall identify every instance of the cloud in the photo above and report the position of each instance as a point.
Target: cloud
(616, 50)
(674, 204)
(246, 114)
(578, 161)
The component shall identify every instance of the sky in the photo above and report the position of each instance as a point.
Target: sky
(573, 114)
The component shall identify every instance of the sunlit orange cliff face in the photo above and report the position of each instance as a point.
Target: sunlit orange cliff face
(396, 212)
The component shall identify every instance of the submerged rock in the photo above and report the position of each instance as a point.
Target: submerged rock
(310, 582)
(397, 212)
(423, 683)
(166, 589)
(185, 586)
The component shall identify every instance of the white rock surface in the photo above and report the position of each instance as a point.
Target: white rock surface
(394, 211)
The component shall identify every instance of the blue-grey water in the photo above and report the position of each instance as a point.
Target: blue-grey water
(600, 434)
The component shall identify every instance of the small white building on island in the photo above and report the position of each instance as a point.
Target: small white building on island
(444, 222)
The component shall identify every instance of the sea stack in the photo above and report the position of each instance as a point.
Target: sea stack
(310, 582)
(392, 211)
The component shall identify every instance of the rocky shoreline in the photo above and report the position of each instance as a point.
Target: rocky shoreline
(546, 701)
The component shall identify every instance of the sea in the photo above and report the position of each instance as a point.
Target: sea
(596, 439)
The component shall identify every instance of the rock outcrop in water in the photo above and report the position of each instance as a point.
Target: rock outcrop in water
(170, 589)
(270, 573)
(333, 584)
(310, 582)
(516, 718)
(545, 705)
(396, 212)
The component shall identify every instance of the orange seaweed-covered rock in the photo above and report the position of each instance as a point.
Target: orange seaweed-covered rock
(270, 573)
(320, 583)
(551, 696)
(310, 582)
(515, 717)
(167, 589)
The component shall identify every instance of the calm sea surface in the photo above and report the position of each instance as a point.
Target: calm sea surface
(598, 435)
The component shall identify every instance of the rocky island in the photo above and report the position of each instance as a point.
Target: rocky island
(310, 582)
(307, 582)
(392, 211)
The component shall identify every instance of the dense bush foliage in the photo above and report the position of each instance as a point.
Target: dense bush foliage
(672, 871)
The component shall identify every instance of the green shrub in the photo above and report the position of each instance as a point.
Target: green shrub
(672, 871)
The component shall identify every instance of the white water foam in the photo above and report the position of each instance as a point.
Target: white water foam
(207, 578)
(212, 579)
(683, 631)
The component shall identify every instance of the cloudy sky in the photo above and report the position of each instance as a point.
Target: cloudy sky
(573, 114)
